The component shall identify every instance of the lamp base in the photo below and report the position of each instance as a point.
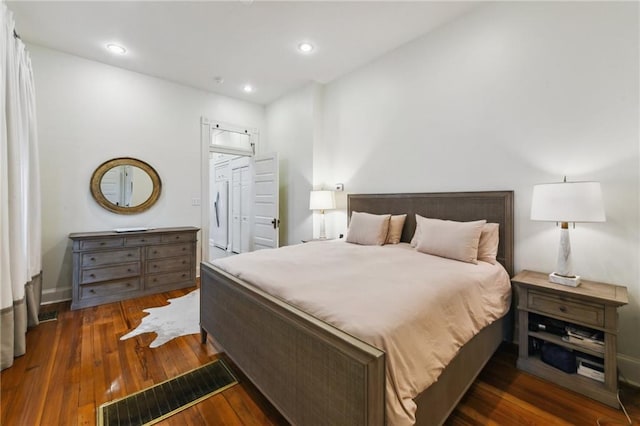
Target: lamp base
(561, 279)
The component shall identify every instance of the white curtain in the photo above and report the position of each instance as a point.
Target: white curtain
(20, 224)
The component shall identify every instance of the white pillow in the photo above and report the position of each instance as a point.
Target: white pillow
(368, 229)
(416, 233)
(488, 245)
(446, 238)
(396, 223)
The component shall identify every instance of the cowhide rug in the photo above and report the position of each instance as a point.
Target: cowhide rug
(179, 318)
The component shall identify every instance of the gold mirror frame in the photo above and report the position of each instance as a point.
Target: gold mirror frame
(96, 191)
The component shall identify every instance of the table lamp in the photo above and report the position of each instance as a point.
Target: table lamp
(565, 202)
(322, 200)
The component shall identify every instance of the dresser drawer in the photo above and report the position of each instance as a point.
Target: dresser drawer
(178, 236)
(110, 257)
(109, 273)
(101, 243)
(141, 240)
(160, 280)
(109, 288)
(571, 310)
(169, 264)
(169, 250)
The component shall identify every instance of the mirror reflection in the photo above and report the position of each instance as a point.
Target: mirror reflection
(125, 185)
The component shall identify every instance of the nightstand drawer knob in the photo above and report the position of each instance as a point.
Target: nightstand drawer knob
(563, 308)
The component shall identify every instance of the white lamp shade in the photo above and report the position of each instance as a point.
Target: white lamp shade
(322, 200)
(568, 202)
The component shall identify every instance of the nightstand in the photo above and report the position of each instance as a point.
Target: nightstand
(591, 305)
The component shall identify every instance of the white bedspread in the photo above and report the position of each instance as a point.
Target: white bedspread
(419, 309)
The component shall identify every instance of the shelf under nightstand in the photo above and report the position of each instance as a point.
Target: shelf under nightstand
(593, 305)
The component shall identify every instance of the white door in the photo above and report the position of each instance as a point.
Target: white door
(265, 205)
(245, 209)
(127, 185)
(111, 185)
(236, 203)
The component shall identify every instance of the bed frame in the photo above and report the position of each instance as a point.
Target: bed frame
(316, 374)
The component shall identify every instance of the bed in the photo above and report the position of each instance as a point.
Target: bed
(315, 373)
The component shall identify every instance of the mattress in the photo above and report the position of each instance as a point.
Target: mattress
(417, 308)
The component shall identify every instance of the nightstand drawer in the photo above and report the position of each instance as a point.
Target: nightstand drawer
(585, 313)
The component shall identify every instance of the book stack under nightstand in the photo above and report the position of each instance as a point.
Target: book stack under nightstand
(580, 321)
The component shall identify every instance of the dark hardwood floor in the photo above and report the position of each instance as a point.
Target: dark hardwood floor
(76, 363)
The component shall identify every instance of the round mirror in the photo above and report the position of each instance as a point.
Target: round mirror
(125, 185)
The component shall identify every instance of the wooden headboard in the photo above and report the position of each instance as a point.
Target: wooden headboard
(494, 206)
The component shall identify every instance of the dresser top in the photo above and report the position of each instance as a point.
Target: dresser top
(592, 290)
(82, 235)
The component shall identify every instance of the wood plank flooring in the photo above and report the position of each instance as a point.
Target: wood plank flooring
(76, 363)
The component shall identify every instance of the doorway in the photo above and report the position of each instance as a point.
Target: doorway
(239, 192)
(230, 204)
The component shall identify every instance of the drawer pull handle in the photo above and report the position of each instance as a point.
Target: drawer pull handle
(184, 275)
(155, 252)
(92, 291)
(128, 269)
(128, 284)
(102, 243)
(142, 240)
(155, 266)
(184, 261)
(184, 248)
(92, 275)
(177, 237)
(563, 309)
(129, 255)
(93, 259)
(155, 280)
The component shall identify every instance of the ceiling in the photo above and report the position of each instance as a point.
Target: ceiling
(244, 42)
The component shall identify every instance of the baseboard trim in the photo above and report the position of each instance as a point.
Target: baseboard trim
(629, 370)
(55, 295)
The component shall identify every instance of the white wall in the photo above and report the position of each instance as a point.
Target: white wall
(510, 95)
(291, 121)
(88, 113)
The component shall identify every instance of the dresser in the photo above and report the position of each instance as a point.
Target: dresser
(593, 306)
(112, 266)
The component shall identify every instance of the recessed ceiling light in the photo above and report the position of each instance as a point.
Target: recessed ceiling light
(305, 47)
(248, 88)
(117, 49)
